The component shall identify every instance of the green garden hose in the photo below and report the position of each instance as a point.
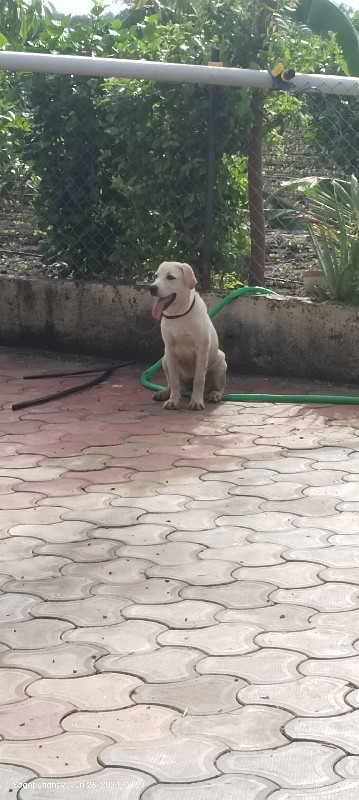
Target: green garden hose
(255, 398)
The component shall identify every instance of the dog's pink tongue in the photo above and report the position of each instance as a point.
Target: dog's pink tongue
(157, 309)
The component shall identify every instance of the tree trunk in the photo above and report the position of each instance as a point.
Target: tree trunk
(255, 195)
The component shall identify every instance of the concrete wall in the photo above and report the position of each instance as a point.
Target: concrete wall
(285, 336)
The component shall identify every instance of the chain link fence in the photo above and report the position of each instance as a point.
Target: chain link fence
(109, 178)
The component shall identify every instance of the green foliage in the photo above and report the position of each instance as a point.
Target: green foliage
(20, 22)
(119, 167)
(122, 164)
(324, 17)
(332, 217)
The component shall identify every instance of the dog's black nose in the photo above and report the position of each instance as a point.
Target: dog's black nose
(153, 289)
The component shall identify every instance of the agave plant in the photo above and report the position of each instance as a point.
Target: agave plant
(334, 231)
(332, 217)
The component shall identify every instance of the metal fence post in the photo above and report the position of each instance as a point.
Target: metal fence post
(210, 179)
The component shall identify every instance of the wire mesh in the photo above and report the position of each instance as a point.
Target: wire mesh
(109, 178)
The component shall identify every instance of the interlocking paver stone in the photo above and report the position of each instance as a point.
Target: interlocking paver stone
(16, 607)
(329, 556)
(56, 588)
(91, 611)
(264, 521)
(243, 477)
(34, 633)
(13, 548)
(185, 586)
(110, 783)
(136, 724)
(339, 620)
(156, 590)
(157, 666)
(59, 756)
(249, 555)
(348, 767)
(214, 538)
(11, 778)
(327, 597)
(263, 666)
(134, 534)
(232, 595)
(341, 731)
(327, 454)
(288, 465)
(207, 694)
(309, 539)
(87, 550)
(33, 718)
(305, 696)
(313, 477)
(104, 517)
(81, 502)
(343, 574)
(317, 642)
(211, 490)
(343, 522)
(100, 692)
(282, 575)
(249, 728)
(34, 568)
(345, 668)
(120, 570)
(166, 760)
(185, 614)
(63, 661)
(351, 539)
(296, 765)
(227, 787)
(169, 553)
(230, 505)
(272, 491)
(192, 520)
(153, 505)
(306, 506)
(345, 790)
(344, 491)
(225, 639)
(130, 636)
(13, 683)
(272, 618)
(199, 573)
(59, 532)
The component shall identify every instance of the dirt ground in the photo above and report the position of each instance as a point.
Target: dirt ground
(288, 254)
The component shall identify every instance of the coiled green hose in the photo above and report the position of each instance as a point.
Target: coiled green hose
(255, 398)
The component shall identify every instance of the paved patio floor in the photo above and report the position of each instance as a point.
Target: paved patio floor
(179, 596)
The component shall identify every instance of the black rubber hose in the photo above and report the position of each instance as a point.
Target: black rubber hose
(107, 371)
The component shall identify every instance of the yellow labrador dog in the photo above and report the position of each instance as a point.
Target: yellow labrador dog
(192, 359)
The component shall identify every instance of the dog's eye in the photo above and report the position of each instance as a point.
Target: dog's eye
(171, 278)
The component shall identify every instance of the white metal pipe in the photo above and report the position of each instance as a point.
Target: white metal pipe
(163, 71)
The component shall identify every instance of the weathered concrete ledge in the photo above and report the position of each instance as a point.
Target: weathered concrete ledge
(284, 336)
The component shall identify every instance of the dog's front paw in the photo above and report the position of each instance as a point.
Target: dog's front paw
(163, 394)
(196, 404)
(215, 397)
(171, 405)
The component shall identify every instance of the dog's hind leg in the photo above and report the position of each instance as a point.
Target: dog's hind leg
(216, 380)
(163, 394)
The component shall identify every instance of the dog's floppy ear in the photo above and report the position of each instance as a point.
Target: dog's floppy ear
(189, 277)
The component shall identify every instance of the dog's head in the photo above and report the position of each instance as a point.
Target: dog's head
(173, 282)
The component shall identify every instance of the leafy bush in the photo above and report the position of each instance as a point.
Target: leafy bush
(122, 164)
